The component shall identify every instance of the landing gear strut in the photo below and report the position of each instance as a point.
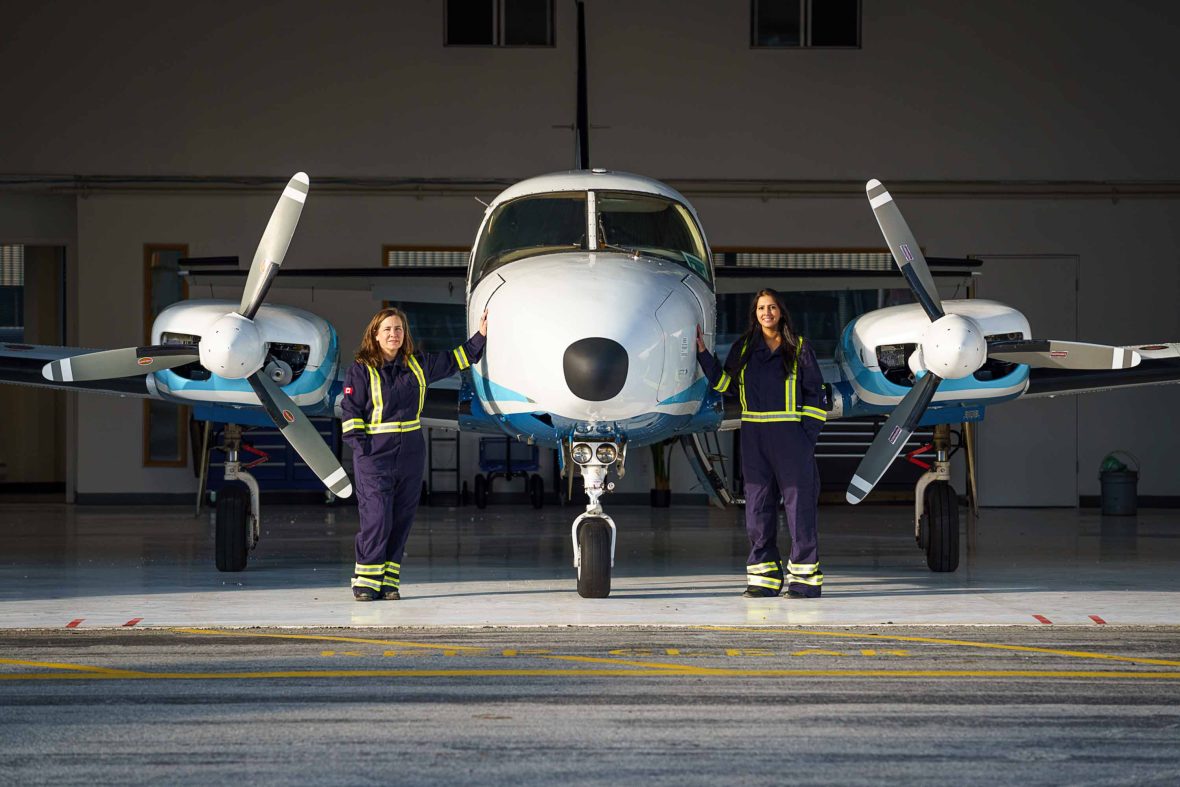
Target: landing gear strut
(936, 509)
(237, 519)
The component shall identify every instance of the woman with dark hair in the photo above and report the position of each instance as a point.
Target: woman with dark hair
(384, 391)
(775, 373)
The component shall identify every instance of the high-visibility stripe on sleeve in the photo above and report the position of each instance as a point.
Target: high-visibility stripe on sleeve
(723, 384)
(353, 424)
(461, 357)
(813, 412)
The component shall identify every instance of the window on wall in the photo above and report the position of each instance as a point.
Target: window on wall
(499, 23)
(165, 425)
(786, 24)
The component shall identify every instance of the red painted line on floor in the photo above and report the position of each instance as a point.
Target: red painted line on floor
(73, 624)
(1098, 620)
(1043, 619)
(132, 622)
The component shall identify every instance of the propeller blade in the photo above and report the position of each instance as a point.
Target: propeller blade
(273, 246)
(300, 433)
(892, 437)
(1053, 354)
(904, 248)
(125, 362)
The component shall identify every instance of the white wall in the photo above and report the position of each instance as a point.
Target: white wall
(945, 93)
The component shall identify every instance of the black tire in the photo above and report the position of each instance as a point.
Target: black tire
(594, 571)
(536, 491)
(233, 527)
(942, 527)
(481, 491)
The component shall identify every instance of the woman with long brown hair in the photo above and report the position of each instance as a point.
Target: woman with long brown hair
(776, 374)
(384, 391)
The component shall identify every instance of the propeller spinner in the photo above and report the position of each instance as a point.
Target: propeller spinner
(232, 348)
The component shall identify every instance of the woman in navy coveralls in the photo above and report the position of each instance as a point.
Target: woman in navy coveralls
(781, 388)
(384, 391)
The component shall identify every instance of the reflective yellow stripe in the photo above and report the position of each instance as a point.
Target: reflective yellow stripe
(802, 568)
(390, 582)
(394, 426)
(412, 362)
(759, 581)
(762, 568)
(378, 399)
(461, 357)
(765, 418)
(361, 568)
(353, 423)
(814, 412)
(365, 582)
(392, 565)
(814, 581)
(723, 384)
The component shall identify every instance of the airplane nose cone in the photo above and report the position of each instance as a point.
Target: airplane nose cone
(595, 369)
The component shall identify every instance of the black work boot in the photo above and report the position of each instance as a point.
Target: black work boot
(754, 591)
(390, 594)
(362, 593)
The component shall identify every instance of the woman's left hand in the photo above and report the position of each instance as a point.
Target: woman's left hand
(483, 323)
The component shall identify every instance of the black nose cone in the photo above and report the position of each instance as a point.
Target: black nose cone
(595, 369)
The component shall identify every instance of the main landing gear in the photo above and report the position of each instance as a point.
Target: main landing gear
(593, 532)
(936, 509)
(237, 513)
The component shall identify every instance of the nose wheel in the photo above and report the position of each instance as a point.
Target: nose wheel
(593, 536)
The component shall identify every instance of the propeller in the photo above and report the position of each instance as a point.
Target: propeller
(232, 348)
(952, 347)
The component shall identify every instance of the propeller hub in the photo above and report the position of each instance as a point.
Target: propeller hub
(232, 347)
(953, 347)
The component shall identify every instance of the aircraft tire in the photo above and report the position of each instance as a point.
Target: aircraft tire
(594, 571)
(233, 527)
(481, 491)
(942, 527)
(536, 491)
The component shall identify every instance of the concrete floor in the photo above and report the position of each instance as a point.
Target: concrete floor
(85, 567)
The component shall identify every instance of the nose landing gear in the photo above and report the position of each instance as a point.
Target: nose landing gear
(593, 532)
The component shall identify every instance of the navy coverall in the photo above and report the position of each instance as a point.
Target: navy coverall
(781, 419)
(381, 409)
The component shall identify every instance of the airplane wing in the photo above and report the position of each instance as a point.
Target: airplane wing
(20, 364)
(1160, 366)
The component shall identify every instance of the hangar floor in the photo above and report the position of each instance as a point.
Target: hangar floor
(85, 567)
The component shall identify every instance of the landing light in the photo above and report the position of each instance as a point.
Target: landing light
(582, 453)
(606, 453)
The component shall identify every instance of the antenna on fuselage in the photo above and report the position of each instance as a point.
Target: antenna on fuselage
(582, 124)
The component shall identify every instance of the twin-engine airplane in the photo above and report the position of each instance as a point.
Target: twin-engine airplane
(595, 282)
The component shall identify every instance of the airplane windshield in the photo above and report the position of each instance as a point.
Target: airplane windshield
(653, 226)
(529, 226)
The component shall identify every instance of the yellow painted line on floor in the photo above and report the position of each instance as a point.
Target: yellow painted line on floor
(326, 638)
(76, 667)
(595, 673)
(1079, 654)
(621, 662)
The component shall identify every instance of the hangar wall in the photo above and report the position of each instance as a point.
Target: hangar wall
(945, 93)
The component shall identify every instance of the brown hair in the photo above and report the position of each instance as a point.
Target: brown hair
(785, 329)
(369, 353)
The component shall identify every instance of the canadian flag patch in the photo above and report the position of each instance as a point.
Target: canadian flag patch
(348, 389)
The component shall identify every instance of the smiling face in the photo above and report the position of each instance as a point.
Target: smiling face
(767, 313)
(390, 334)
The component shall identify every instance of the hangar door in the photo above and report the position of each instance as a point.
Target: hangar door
(1028, 449)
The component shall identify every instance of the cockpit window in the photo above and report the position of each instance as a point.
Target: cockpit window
(529, 226)
(652, 226)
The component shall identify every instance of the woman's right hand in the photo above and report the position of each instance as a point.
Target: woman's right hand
(700, 340)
